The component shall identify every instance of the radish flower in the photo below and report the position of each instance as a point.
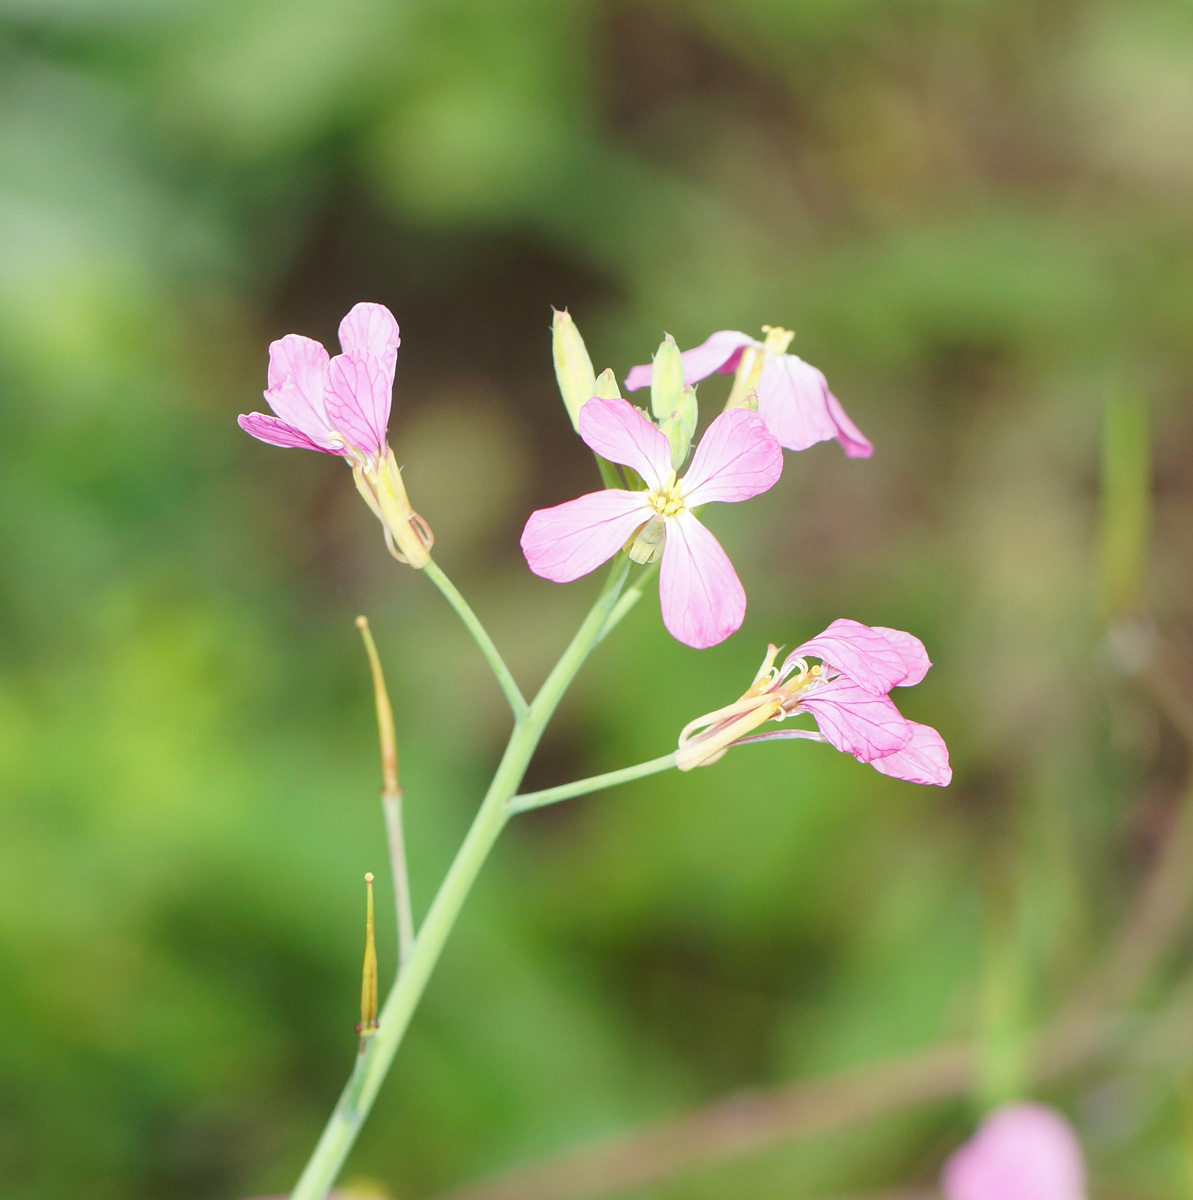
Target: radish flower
(341, 406)
(793, 396)
(1020, 1152)
(845, 694)
(701, 597)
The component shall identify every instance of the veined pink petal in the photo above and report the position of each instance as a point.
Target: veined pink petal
(915, 657)
(569, 540)
(925, 759)
(1021, 1152)
(370, 329)
(277, 433)
(358, 399)
(721, 352)
(793, 401)
(616, 430)
(853, 441)
(856, 720)
(297, 381)
(702, 599)
(876, 659)
(737, 458)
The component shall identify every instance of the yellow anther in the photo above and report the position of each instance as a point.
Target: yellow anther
(777, 339)
(667, 500)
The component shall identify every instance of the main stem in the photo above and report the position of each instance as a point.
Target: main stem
(377, 1052)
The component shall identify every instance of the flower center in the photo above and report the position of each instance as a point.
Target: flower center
(667, 499)
(777, 339)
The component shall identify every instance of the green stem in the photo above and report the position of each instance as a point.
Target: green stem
(377, 1052)
(594, 783)
(509, 687)
(391, 806)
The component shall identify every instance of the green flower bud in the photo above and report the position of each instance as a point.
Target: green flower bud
(666, 382)
(573, 367)
(606, 385)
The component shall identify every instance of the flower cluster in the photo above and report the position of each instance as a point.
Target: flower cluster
(845, 693)
(648, 510)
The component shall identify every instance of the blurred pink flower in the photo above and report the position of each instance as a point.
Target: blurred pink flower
(1020, 1152)
(341, 406)
(701, 597)
(338, 405)
(793, 396)
(846, 695)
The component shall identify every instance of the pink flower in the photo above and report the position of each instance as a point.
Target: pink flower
(338, 405)
(1020, 1152)
(793, 396)
(846, 695)
(701, 597)
(341, 406)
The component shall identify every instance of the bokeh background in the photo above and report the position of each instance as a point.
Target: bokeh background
(978, 217)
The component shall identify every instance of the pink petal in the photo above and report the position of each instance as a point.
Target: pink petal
(1021, 1152)
(915, 657)
(569, 540)
(370, 329)
(737, 458)
(277, 433)
(853, 441)
(857, 721)
(721, 352)
(702, 599)
(358, 398)
(795, 402)
(925, 759)
(297, 381)
(876, 659)
(616, 430)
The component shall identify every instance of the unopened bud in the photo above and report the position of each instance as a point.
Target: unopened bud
(606, 385)
(680, 426)
(647, 546)
(666, 380)
(573, 367)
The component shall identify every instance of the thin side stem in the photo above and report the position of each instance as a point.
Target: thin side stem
(391, 806)
(391, 795)
(582, 787)
(509, 687)
(376, 1053)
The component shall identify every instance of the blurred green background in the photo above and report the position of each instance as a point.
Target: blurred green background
(977, 214)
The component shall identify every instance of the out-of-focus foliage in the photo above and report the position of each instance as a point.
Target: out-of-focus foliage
(979, 218)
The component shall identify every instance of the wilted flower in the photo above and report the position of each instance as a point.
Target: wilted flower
(793, 396)
(1020, 1152)
(701, 597)
(846, 695)
(341, 406)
